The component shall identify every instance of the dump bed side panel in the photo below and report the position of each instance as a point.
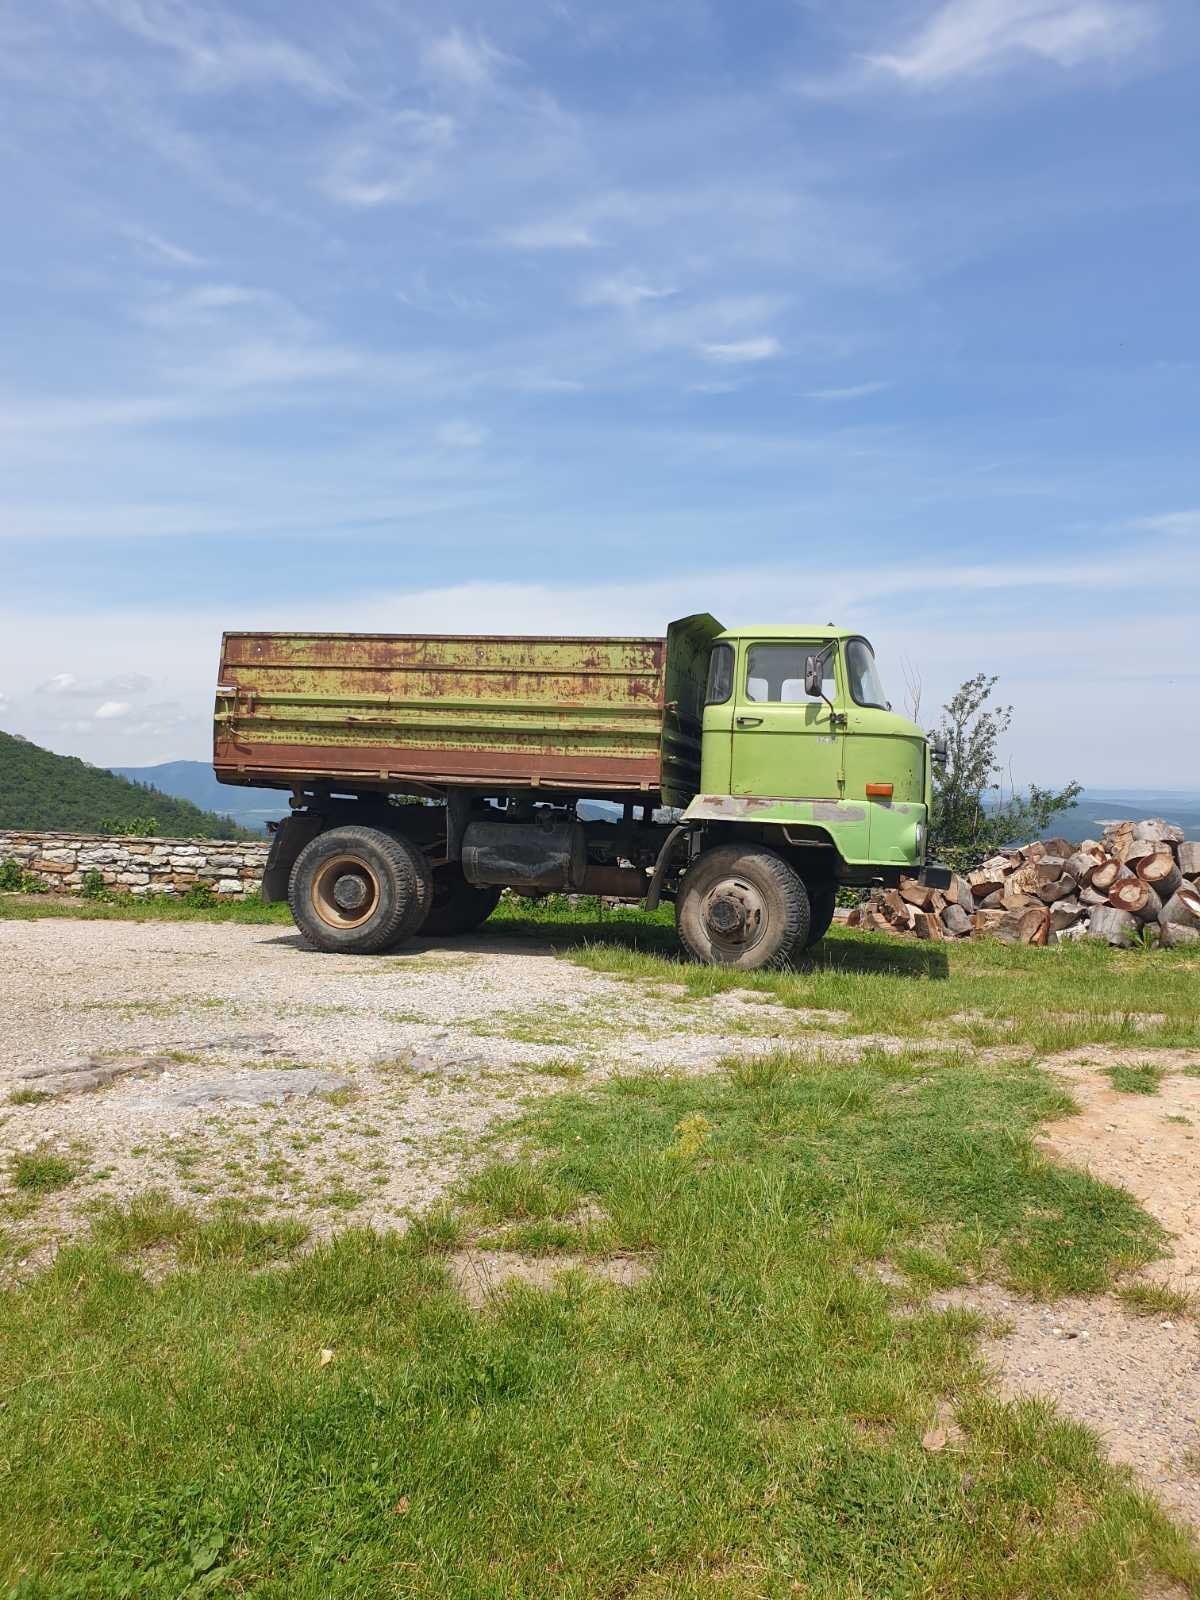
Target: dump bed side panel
(379, 709)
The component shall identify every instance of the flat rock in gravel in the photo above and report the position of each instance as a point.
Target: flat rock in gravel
(90, 1072)
(247, 1089)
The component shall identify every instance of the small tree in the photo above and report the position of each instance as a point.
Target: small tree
(966, 828)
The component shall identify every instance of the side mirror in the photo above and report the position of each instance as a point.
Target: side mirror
(814, 677)
(938, 753)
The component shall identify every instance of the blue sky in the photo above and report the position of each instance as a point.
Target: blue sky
(553, 316)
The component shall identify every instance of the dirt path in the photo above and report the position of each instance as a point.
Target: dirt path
(1134, 1378)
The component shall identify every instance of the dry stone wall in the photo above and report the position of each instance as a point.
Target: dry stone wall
(231, 868)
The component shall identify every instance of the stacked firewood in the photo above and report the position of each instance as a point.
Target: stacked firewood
(1140, 880)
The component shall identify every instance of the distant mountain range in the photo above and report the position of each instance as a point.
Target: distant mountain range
(254, 808)
(195, 781)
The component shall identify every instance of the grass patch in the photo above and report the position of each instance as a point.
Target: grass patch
(1142, 1079)
(980, 994)
(747, 1422)
(27, 1097)
(41, 1172)
(145, 908)
(1155, 1300)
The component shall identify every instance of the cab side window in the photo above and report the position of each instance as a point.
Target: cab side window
(720, 675)
(775, 672)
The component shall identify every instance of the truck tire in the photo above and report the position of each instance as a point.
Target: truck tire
(822, 903)
(358, 890)
(458, 906)
(742, 906)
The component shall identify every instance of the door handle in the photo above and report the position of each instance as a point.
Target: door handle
(749, 722)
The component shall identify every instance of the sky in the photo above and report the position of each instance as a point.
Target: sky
(558, 316)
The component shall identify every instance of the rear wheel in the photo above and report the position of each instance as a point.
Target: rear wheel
(358, 890)
(458, 906)
(742, 906)
(821, 906)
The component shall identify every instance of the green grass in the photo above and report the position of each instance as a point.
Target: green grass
(41, 1172)
(1156, 1300)
(148, 908)
(981, 994)
(746, 1422)
(1142, 1079)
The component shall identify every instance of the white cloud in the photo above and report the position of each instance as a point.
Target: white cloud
(623, 291)
(459, 435)
(464, 62)
(112, 709)
(553, 233)
(161, 250)
(761, 348)
(67, 685)
(1176, 524)
(391, 162)
(219, 51)
(857, 391)
(965, 37)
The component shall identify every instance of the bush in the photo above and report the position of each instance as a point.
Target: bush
(129, 827)
(10, 874)
(93, 886)
(199, 897)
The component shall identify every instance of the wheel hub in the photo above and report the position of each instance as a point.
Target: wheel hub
(344, 892)
(350, 892)
(734, 913)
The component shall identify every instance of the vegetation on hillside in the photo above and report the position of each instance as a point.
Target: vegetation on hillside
(41, 790)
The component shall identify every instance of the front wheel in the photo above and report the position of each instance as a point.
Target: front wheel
(358, 890)
(742, 906)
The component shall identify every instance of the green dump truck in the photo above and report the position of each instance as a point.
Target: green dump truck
(748, 773)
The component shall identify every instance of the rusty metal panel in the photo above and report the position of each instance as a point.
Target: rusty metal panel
(437, 710)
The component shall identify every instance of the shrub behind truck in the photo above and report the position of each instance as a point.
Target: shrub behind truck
(783, 771)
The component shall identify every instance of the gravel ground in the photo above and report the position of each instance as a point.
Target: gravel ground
(397, 1067)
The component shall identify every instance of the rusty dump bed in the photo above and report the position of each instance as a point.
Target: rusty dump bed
(420, 713)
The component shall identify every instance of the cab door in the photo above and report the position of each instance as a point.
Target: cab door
(785, 745)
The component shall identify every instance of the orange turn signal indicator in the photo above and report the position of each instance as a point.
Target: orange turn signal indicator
(879, 791)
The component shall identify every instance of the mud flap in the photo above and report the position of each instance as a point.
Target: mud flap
(292, 834)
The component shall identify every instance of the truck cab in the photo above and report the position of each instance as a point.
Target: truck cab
(821, 755)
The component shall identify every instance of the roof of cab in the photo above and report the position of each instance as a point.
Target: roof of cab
(820, 630)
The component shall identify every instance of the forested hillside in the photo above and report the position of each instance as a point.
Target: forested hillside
(43, 791)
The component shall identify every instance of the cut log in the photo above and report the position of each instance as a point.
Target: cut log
(991, 902)
(1105, 874)
(1061, 889)
(985, 923)
(855, 917)
(1136, 897)
(928, 925)
(1064, 914)
(917, 894)
(1137, 850)
(1110, 926)
(1081, 865)
(1118, 836)
(1174, 934)
(956, 920)
(938, 903)
(1033, 851)
(1158, 831)
(1028, 926)
(893, 908)
(1160, 871)
(1049, 868)
(1189, 858)
(1183, 908)
(1058, 847)
(1093, 897)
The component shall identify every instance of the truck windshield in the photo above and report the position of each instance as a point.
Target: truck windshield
(866, 686)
